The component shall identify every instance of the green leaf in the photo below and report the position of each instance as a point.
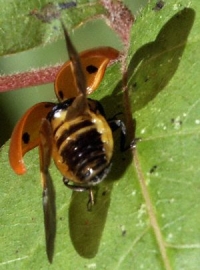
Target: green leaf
(146, 212)
(26, 31)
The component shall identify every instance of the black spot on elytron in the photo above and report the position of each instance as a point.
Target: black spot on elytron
(61, 95)
(47, 105)
(26, 137)
(91, 69)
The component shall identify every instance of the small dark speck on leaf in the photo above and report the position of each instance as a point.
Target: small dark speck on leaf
(152, 170)
(177, 122)
(159, 5)
(135, 85)
(123, 230)
(67, 5)
(104, 193)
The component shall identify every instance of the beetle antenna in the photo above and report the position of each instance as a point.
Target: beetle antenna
(76, 64)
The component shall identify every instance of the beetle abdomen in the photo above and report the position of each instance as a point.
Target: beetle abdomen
(82, 146)
(83, 151)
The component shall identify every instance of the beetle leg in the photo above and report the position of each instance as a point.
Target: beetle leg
(81, 189)
(48, 195)
(91, 200)
(116, 124)
(74, 187)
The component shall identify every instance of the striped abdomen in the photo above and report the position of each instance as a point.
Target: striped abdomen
(82, 146)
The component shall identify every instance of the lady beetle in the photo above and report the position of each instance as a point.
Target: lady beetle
(75, 131)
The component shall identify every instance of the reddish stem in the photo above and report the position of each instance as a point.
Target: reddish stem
(119, 18)
(29, 78)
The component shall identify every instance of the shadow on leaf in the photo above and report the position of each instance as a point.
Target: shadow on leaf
(85, 226)
(149, 71)
(155, 63)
